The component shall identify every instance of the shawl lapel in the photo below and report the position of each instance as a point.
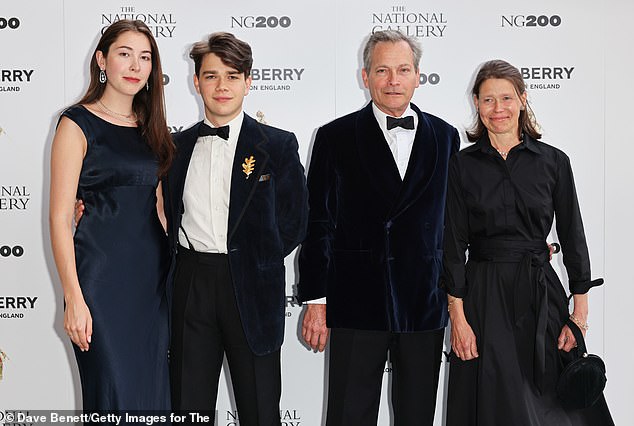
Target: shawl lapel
(422, 164)
(375, 156)
(378, 161)
(251, 143)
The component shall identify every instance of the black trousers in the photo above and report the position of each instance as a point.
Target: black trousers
(205, 326)
(357, 363)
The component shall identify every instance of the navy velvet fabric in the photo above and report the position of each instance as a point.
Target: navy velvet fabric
(374, 242)
(267, 220)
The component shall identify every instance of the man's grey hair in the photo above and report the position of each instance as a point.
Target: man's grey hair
(391, 36)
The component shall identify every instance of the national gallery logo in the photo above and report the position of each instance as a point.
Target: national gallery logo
(414, 23)
(288, 417)
(162, 24)
(14, 197)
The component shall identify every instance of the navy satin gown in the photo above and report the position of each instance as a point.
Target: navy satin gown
(122, 259)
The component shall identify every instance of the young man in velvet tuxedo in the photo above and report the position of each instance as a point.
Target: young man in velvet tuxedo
(370, 264)
(236, 205)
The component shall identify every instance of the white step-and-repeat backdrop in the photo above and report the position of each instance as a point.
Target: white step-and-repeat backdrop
(574, 55)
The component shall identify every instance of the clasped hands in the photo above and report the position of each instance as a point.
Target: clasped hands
(463, 339)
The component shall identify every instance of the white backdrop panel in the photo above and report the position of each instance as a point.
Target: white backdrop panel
(307, 71)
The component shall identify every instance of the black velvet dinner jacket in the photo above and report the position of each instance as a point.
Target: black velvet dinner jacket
(374, 242)
(267, 220)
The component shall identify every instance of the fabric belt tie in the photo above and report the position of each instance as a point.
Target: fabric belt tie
(531, 257)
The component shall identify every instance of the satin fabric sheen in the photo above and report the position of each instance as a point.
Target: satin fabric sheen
(122, 256)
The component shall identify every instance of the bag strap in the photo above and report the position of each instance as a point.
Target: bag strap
(576, 331)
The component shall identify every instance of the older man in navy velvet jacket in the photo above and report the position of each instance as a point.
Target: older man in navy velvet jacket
(236, 205)
(372, 256)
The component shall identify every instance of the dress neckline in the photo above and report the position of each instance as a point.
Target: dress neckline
(106, 121)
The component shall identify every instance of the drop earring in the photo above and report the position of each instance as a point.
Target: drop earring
(147, 85)
(102, 76)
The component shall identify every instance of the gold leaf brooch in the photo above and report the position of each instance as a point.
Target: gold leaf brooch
(248, 166)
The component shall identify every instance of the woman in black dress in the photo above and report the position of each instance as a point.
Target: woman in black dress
(109, 150)
(506, 303)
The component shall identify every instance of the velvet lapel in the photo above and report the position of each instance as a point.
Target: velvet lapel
(251, 142)
(376, 157)
(421, 166)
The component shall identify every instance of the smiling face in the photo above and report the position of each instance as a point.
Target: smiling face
(222, 88)
(128, 63)
(499, 106)
(392, 77)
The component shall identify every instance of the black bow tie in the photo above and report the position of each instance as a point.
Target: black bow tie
(405, 122)
(222, 131)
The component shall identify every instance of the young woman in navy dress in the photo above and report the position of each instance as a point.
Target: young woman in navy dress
(109, 151)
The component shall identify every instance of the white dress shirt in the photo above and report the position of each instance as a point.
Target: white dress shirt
(398, 139)
(400, 142)
(207, 190)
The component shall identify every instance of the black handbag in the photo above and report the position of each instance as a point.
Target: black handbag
(582, 380)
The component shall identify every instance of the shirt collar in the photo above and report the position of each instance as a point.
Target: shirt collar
(484, 144)
(381, 118)
(532, 144)
(235, 125)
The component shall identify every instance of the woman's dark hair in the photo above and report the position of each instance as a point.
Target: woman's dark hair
(498, 68)
(148, 105)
